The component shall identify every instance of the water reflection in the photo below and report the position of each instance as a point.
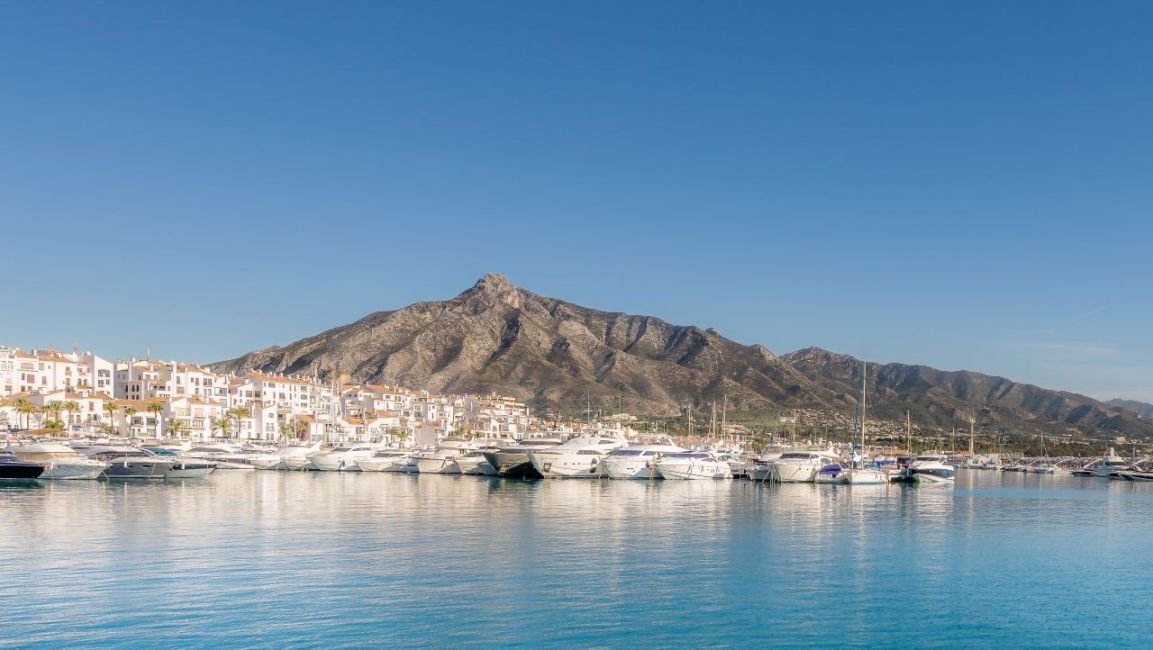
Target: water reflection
(272, 559)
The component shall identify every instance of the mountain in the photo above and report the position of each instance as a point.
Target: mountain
(496, 337)
(1142, 409)
(947, 397)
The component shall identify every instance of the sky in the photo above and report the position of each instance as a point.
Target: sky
(965, 185)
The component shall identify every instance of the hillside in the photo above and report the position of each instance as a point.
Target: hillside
(496, 337)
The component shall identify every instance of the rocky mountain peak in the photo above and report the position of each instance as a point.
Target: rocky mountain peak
(493, 289)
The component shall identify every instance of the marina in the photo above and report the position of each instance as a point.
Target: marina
(278, 559)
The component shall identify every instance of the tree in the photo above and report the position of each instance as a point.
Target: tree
(111, 408)
(399, 434)
(128, 413)
(237, 413)
(221, 424)
(175, 428)
(157, 411)
(26, 409)
(70, 407)
(53, 408)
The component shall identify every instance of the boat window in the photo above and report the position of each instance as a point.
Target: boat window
(796, 456)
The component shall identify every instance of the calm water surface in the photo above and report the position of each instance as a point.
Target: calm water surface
(269, 559)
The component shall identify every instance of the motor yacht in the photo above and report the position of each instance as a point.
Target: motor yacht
(578, 458)
(513, 461)
(1110, 464)
(343, 458)
(224, 455)
(14, 469)
(800, 466)
(474, 463)
(637, 461)
(832, 473)
(389, 460)
(188, 467)
(932, 469)
(692, 465)
(131, 463)
(442, 460)
(61, 461)
(762, 468)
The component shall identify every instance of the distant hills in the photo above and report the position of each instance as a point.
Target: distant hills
(496, 337)
(1140, 408)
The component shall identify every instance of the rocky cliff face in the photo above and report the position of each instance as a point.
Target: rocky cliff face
(498, 337)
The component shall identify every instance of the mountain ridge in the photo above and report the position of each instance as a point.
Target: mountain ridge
(497, 337)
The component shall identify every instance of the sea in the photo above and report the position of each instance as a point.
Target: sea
(258, 559)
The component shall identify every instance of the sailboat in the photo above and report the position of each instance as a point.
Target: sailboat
(859, 474)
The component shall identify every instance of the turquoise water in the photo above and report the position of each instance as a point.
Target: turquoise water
(275, 560)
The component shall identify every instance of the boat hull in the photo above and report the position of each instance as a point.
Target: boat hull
(73, 471)
(135, 469)
(566, 465)
(629, 469)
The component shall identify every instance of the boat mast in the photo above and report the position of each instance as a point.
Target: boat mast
(909, 430)
(864, 378)
(725, 419)
(972, 421)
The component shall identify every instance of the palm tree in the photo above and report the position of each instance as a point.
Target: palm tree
(238, 413)
(128, 413)
(157, 410)
(53, 408)
(70, 407)
(175, 428)
(222, 425)
(111, 408)
(25, 408)
(399, 434)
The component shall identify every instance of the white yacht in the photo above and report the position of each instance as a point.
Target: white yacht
(474, 463)
(578, 458)
(295, 456)
(637, 461)
(932, 469)
(800, 466)
(1110, 464)
(343, 458)
(692, 465)
(224, 455)
(61, 461)
(389, 460)
(442, 460)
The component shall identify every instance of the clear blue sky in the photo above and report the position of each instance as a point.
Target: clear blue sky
(959, 184)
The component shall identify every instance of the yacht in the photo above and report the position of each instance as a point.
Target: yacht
(130, 462)
(443, 459)
(61, 461)
(932, 469)
(225, 456)
(800, 466)
(637, 461)
(188, 467)
(343, 458)
(834, 472)
(1110, 464)
(692, 465)
(513, 461)
(866, 476)
(14, 469)
(474, 463)
(762, 469)
(290, 457)
(578, 458)
(389, 460)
